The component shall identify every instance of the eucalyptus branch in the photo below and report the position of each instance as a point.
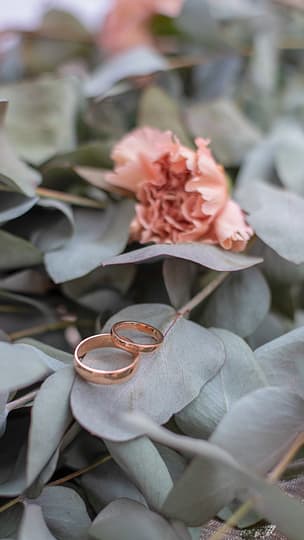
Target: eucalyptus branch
(198, 298)
(60, 481)
(202, 295)
(17, 403)
(273, 476)
(80, 472)
(69, 198)
(48, 327)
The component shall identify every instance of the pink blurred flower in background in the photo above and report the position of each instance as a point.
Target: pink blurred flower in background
(127, 23)
(182, 194)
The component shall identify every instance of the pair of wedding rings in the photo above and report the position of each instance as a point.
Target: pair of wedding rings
(116, 339)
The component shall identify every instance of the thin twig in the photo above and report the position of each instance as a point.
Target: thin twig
(69, 198)
(40, 329)
(202, 295)
(273, 476)
(60, 481)
(17, 403)
(9, 504)
(80, 472)
(49, 327)
(197, 299)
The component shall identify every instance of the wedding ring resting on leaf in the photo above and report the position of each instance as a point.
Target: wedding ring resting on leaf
(129, 344)
(99, 376)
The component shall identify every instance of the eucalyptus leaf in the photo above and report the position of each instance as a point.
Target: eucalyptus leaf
(23, 312)
(192, 504)
(21, 366)
(26, 282)
(165, 381)
(12, 169)
(240, 304)
(196, 22)
(258, 165)
(51, 225)
(13, 205)
(101, 288)
(130, 520)
(157, 109)
(53, 103)
(278, 270)
(33, 526)
(277, 218)
(232, 135)
(178, 277)
(50, 418)
(272, 327)
(98, 235)
(83, 451)
(240, 375)
(17, 253)
(258, 440)
(209, 256)
(56, 354)
(144, 465)
(213, 478)
(289, 161)
(35, 489)
(12, 449)
(136, 61)
(16, 482)
(10, 521)
(107, 483)
(89, 154)
(281, 360)
(3, 411)
(65, 513)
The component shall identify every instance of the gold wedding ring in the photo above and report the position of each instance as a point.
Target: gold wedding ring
(99, 376)
(131, 346)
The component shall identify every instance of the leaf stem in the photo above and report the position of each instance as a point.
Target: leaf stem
(80, 472)
(273, 476)
(41, 328)
(17, 403)
(69, 198)
(61, 481)
(204, 293)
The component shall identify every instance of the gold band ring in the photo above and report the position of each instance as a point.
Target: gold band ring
(130, 345)
(99, 376)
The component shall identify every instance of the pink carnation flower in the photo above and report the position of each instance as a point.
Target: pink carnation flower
(127, 23)
(182, 194)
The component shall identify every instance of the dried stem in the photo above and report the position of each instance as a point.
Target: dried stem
(202, 295)
(17, 403)
(80, 472)
(60, 481)
(49, 327)
(273, 476)
(69, 198)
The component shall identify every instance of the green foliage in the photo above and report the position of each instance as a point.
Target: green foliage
(212, 417)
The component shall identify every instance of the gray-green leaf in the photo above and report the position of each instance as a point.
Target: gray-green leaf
(130, 520)
(165, 382)
(50, 418)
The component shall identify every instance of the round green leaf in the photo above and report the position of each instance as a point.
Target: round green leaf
(50, 418)
(209, 256)
(98, 236)
(130, 520)
(144, 465)
(33, 525)
(65, 513)
(165, 381)
(240, 304)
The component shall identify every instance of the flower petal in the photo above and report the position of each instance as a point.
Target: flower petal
(230, 228)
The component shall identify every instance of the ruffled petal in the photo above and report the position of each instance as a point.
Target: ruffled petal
(230, 228)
